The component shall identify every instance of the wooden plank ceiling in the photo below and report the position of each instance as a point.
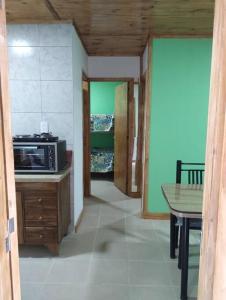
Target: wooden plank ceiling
(118, 27)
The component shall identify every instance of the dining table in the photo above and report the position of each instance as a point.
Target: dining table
(185, 202)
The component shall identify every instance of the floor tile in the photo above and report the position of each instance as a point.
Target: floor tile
(107, 292)
(144, 251)
(88, 223)
(109, 209)
(140, 235)
(149, 273)
(69, 271)
(111, 250)
(35, 270)
(63, 292)
(107, 235)
(80, 247)
(152, 293)
(137, 222)
(31, 291)
(109, 271)
(112, 221)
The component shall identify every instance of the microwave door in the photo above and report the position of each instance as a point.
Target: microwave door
(31, 158)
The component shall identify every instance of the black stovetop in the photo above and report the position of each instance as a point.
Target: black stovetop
(40, 138)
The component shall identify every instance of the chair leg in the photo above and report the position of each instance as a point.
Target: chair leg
(176, 236)
(173, 236)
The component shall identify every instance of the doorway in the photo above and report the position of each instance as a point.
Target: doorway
(111, 128)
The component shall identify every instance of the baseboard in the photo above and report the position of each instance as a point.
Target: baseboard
(79, 221)
(156, 216)
(134, 194)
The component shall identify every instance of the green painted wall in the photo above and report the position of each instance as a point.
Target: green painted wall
(102, 101)
(179, 106)
(102, 97)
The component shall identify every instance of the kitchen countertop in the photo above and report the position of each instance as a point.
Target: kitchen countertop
(57, 177)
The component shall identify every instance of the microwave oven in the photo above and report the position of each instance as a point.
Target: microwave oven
(39, 157)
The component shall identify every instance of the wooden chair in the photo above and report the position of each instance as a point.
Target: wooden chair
(191, 173)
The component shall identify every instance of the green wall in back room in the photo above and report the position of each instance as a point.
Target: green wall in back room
(180, 78)
(102, 97)
(102, 101)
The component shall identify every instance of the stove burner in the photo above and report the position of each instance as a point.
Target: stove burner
(43, 137)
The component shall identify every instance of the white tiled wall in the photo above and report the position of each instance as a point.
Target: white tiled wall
(41, 83)
(46, 64)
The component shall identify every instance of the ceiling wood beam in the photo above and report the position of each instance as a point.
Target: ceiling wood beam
(52, 10)
(122, 26)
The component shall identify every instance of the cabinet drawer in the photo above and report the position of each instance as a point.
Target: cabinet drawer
(39, 219)
(40, 235)
(40, 199)
(40, 209)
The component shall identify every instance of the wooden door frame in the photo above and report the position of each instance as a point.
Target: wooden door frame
(140, 137)
(146, 214)
(86, 114)
(8, 164)
(212, 275)
(146, 139)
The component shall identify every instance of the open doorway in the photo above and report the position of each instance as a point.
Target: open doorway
(111, 129)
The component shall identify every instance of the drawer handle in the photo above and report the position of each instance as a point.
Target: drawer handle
(41, 236)
(40, 200)
(40, 218)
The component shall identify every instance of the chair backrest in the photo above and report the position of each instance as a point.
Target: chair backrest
(194, 172)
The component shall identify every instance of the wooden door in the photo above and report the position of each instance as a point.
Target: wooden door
(121, 138)
(86, 138)
(212, 274)
(9, 267)
(139, 165)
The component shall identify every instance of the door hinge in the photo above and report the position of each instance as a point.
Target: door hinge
(10, 229)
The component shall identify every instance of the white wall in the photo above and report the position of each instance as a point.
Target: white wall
(45, 69)
(114, 67)
(41, 82)
(80, 64)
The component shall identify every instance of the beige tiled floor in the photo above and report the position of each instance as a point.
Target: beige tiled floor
(114, 256)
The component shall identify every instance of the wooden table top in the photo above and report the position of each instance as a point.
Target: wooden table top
(184, 200)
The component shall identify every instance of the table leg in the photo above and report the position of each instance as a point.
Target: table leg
(173, 236)
(184, 258)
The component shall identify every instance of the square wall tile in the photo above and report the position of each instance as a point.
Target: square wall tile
(24, 63)
(56, 63)
(57, 96)
(55, 35)
(26, 123)
(61, 124)
(25, 96)
(23, 35)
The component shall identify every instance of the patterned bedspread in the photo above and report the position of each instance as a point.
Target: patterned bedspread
(101, 122)
(102, 160)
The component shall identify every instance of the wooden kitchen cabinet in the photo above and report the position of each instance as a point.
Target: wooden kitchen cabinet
(43, 209)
